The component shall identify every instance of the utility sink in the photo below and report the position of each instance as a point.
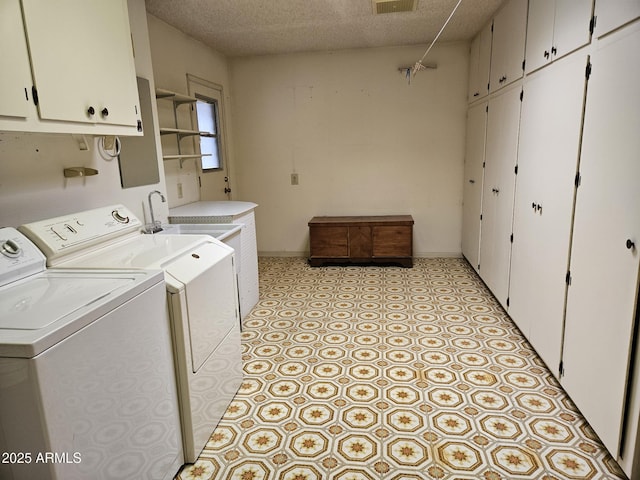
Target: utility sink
(217, 230)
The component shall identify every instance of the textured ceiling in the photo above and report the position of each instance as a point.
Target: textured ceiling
(262, 27)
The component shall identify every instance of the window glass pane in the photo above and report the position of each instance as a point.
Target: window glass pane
(206, 116)
(209, 145)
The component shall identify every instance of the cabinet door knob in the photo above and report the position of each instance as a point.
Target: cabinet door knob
(630, 245)
(105, 112)
(91, 111)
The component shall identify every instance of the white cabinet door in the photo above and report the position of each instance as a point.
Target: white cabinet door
(602, 296)
(479, 64)
(82, 60)
(498, 191)
(539, 34)
(473, 177)
(571, 26)
(611, 14)
(15, 76)
(547, 163)
(556, 28)
(507, 51)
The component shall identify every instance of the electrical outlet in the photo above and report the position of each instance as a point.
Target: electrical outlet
(179, 190)
(294, 179)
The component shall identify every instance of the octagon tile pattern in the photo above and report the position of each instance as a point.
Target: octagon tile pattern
(386, 373)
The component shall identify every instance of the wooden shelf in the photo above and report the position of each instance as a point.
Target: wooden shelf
(176, 97)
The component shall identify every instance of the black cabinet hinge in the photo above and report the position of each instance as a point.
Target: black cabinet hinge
(139, 125)
(199, 182)
(521, 94)
(511, 238)
(587, 72)
(592, 25)
(483, 164)
(567, 278)
(577, 180)
(480, 216)
(34, 95)
(507, 301)
(561, 368)
(516, 169)
(523, 63)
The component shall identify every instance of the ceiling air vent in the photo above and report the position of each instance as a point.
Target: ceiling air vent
(393, 6)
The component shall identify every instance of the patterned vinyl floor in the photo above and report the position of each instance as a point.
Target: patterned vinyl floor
(360, 373)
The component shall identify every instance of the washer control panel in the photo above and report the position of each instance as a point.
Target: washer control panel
(19, 258)
(83, 231)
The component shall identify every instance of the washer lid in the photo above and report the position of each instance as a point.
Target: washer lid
(44, 309)
(44, 300)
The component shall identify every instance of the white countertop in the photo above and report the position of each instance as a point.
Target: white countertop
(212, 208)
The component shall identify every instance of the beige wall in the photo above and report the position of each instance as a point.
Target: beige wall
(32, 186)
(175, 55)
(362, 140)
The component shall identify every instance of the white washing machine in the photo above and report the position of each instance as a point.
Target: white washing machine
(202, 301)
(87, 384)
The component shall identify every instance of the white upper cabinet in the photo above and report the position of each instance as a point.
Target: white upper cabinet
(479, 64)
(556, 28)
(82, 67)
(15, 77)
(507, 51)
(611, 14)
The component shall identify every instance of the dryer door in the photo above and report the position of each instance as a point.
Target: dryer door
(208, 275)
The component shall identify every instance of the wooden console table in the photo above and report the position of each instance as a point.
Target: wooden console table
(361, 239)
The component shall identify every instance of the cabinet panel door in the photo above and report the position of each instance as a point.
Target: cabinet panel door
(547, 164)
(479, 64)
(81, 57)
(571, 25)
(539, 33)
(473, 178)
(392, 241)
(498, 191)
(507, 55)
(602, 297)
(15, 89)
(612, 14)
(329, 241)
(360, 242)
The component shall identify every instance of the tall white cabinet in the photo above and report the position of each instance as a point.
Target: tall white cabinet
(498, 190)
(560, 236)
(605, 257)
(547, 164)
(473, 181)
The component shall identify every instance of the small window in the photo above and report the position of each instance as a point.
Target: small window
(209, 121)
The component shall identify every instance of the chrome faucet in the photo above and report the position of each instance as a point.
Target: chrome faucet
(155, 226)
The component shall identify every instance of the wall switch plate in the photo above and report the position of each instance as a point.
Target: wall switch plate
(179, 190)
(294, 179)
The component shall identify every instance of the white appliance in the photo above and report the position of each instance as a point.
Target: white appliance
(202, 301)
(225, 212)
(87, 384)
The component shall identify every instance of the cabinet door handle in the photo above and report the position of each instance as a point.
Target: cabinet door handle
(546, 54)
(105, 112)
(472, 181)
(91, 111)
(477, 94)
(630, 245)
(495, 190)
(554, 51)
